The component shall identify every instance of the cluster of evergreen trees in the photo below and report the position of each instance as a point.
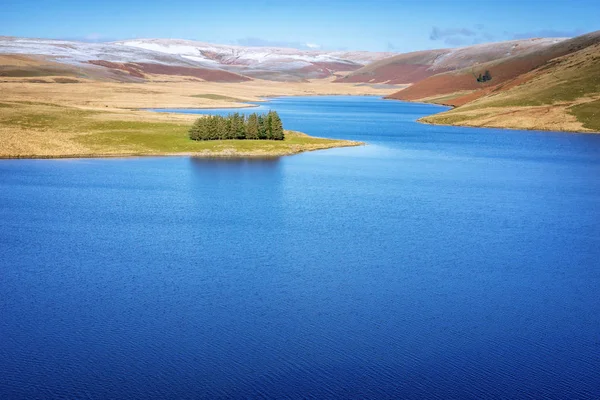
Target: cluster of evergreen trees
(238, 126)
(485, 77)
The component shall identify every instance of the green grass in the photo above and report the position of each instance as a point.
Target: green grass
(172, 138)
(563, 92)
(218, 97)
(136, 136)
(101, 134)
(58, 118)
(450, 118)
(588, 114)
(445, 98)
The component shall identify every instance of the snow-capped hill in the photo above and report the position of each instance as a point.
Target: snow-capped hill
(82, 52)
(109, 61)
(134, 59)
(256, 58)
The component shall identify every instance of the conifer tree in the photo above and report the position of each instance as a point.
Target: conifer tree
(238, 121)
(238, 126)
(194, 132)
(252, 127)
(262, 127)
(276, 126)
(213, 128)
(221, 128)
(269, 125)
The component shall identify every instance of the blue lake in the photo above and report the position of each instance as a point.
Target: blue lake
(435, 262)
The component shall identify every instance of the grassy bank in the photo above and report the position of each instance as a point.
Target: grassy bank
(588, 114)
(35, 130)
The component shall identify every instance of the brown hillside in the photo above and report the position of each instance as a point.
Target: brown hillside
(26, 66)
(403, 68)
(140, 69)
(562, 94)
(502, 71)
(416, 66)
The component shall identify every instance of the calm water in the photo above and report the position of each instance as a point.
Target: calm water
(437, 262)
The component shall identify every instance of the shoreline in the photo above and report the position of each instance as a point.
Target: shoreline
(205, 154)
(225, 150)
(422, 120)
(150, 137)
(107, 119)
(541, 130)
(241, 105)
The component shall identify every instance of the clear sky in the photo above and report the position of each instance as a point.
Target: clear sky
(377, 25)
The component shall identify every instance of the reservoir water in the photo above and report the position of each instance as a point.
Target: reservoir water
(435, 262)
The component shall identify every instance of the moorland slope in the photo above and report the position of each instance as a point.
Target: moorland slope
(556, 88)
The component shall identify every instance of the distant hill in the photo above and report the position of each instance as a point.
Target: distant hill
(137, 60)
(557, 87)
(416, 66)
(262, 62)
(533, 83)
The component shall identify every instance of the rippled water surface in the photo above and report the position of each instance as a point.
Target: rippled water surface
(436, 262)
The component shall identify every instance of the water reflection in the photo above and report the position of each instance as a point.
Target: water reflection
(203, 166)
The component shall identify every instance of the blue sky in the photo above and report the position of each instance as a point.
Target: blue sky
(377, 25)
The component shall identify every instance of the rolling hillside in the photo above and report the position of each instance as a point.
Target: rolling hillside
(502, 70)
(416, 66)
(558, 89)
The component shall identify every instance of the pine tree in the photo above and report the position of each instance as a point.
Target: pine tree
(227, 128)
(213, 128)
(276, 126)
(269, 125)
(204, 128)
(237, 126)
(262, 127)
(194, 131)
(487, 76)
(221, 127)
(252, 127)
(238, 121)
(199, 129)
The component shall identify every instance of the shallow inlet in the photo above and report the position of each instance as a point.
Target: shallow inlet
(437, 262)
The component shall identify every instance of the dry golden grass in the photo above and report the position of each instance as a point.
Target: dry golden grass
(100, 118)
(18, 60)
(553, 118)
(170, 92)
(33, 130)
